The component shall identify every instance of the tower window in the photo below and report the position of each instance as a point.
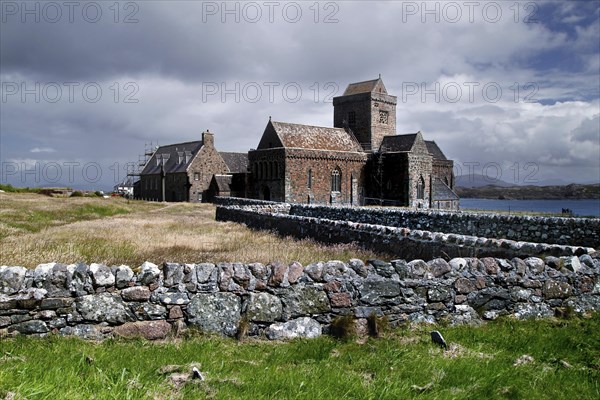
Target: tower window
(336, 181)
(352, 118)
(383, 117)
(310, 178)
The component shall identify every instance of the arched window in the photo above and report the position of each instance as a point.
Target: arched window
(336, 180)
(309, 179)
(421, 188)
(276, 168)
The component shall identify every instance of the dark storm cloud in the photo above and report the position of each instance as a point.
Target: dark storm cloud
(159, 43)
(179, 40)
(173, 52)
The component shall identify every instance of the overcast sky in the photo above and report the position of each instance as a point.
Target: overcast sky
(507, 89)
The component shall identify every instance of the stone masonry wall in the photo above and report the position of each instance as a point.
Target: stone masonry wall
(572, 231)
(207, 163)
(300, 162)
(399, 242)
(552, 230)
(285, 301)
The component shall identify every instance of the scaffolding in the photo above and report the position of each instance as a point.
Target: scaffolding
(135, 169)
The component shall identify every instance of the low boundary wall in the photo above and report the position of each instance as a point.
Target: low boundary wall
(398, 242)
(285, 301)
(552, 230)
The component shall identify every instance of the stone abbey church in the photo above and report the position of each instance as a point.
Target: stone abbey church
(360, 161)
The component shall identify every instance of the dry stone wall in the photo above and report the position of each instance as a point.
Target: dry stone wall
(554, 230)
(286, 301)
(400, 242)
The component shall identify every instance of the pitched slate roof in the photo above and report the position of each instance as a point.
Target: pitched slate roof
(435, 151)
(315, 137)
(170, 155)
(398, 142)
(236, 162)
(365, 87)
(441, 191)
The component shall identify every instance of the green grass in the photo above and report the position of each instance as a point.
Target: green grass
(478, 365)
(11, 189)
(35, 220)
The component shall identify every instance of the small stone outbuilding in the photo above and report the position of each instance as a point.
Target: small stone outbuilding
(183, 171)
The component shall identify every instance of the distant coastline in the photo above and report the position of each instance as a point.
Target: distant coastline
(566, 192)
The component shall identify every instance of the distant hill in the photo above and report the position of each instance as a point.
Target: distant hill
(572, 191)
(476, 180)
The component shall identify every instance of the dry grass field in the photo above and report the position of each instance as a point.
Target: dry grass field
(37, 229)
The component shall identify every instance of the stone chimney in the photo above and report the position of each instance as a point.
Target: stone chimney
(208, 138)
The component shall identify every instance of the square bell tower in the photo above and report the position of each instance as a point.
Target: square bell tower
(368, 111)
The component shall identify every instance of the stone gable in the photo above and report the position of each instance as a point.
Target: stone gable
(181, 172)
(208, 162)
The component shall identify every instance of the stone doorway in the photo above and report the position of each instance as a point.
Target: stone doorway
(266, 193)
